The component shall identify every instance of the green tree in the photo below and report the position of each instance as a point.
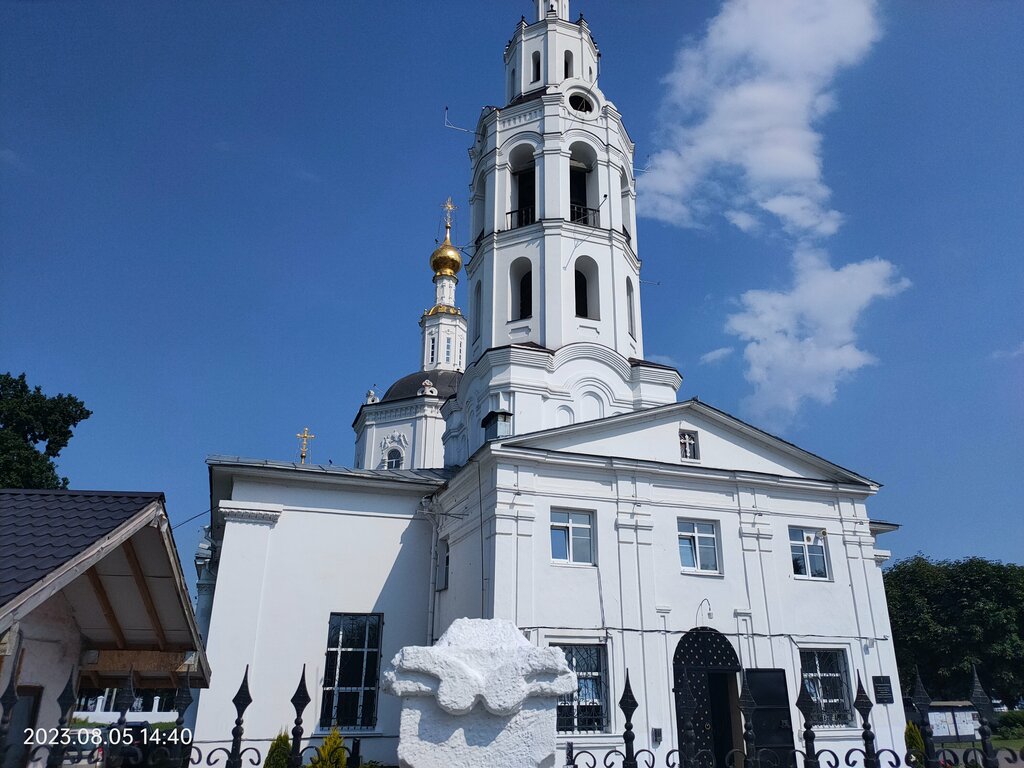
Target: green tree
(34, 429)
(279, 752)
(949, 614)
(331, 753)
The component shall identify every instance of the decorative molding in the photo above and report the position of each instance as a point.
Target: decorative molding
(250, 512)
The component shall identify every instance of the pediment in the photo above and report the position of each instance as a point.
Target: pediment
(723, 442)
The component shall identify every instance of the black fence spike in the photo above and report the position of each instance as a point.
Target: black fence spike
(300, 700)
(242, 698)
(628, 702)
(862, 703)
(983, 703)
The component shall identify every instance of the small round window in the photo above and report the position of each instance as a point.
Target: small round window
(580, 103)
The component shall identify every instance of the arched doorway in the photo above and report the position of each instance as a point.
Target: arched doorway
(710, 664)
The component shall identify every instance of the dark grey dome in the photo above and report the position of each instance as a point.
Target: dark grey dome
(446, 383)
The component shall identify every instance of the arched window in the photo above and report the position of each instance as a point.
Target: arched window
(586, 288)
(626, 205)
(520, 280)
(536, 66)
(581, 295)
(476, 312)
(512, 84)
(630, 308)
(394, 460)
(583, 185)
(524, 186)
(568, 64)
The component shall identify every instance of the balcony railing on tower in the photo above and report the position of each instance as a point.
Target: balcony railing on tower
(521, 217)
(580, 214)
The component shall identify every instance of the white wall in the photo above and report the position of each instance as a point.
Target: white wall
(279, 579)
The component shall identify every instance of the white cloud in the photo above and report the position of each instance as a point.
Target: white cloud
(715, 355)
(740, 134)
(802, 342)
(1010, 353)
(743, 220)
(741, 109)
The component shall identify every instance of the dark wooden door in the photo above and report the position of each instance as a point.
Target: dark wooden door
(772, 723)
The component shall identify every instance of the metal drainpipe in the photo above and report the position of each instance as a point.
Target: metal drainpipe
(432, 600)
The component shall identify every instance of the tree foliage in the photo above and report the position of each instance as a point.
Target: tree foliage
(34, 429)
(332, 752)
(279, 752)
(949, 614)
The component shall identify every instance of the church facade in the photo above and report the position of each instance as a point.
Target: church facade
(537, 468)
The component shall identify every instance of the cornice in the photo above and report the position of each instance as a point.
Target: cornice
(250, 512)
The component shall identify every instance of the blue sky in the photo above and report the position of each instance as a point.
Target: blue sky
(216, 220)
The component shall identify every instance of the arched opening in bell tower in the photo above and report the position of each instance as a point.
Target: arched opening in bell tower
(626, 205)
(524, 187)
(568, 64)
(535, 61)
(630, 309)
(520, 279)
(583, 185)
(586, 288)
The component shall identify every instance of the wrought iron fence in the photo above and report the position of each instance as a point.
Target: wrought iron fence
(750, 756)
(172, 748)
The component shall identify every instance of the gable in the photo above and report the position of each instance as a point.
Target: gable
(723, 443)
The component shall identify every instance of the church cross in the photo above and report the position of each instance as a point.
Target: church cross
(688, 444)
(448, 207)
(305, 436)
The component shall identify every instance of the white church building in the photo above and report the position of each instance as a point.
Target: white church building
(537, 468)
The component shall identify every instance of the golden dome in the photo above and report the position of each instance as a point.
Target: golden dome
(446, 259)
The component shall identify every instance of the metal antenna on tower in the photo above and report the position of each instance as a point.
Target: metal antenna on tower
(448, 124)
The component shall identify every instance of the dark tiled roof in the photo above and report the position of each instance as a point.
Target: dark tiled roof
(42, 530)
(446, 382)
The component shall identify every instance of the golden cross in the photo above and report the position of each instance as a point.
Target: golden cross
(448, 207)
(305, 436)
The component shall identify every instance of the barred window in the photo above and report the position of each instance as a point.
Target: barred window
(352, 670)
(585, 710)
(828, 680)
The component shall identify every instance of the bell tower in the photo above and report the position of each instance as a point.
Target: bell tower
(555, 333)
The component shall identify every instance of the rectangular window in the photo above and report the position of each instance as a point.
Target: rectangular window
(585, 710)
(572, 537)
(808, 550)
(351, 670)
(698, 546)
(828, 680)
(433, 349)
(448, 349)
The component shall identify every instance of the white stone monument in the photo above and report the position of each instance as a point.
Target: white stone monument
(481, 696)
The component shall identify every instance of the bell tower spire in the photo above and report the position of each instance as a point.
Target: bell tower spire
(555, 331)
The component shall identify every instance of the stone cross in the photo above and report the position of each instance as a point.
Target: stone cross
(481, 696)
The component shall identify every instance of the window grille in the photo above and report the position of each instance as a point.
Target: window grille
(828, 681)
(585, 710)
(351, 671)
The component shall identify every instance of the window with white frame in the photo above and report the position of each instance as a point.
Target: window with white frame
(394, 459)
(447, 349)
(688, 446)
(586, 709)
(433, 349)
(807, 546)
(351, 671)
(698, 546)
(827, 677)
(572, 538)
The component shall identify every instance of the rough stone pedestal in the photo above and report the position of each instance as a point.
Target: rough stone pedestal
(481, 697)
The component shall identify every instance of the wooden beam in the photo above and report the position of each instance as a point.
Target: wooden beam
(145, 666)
(108, 609)
(147, 597)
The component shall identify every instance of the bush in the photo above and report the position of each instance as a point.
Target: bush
(915, 742)
(279, 752)
(332, 753)
(1009, 721)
